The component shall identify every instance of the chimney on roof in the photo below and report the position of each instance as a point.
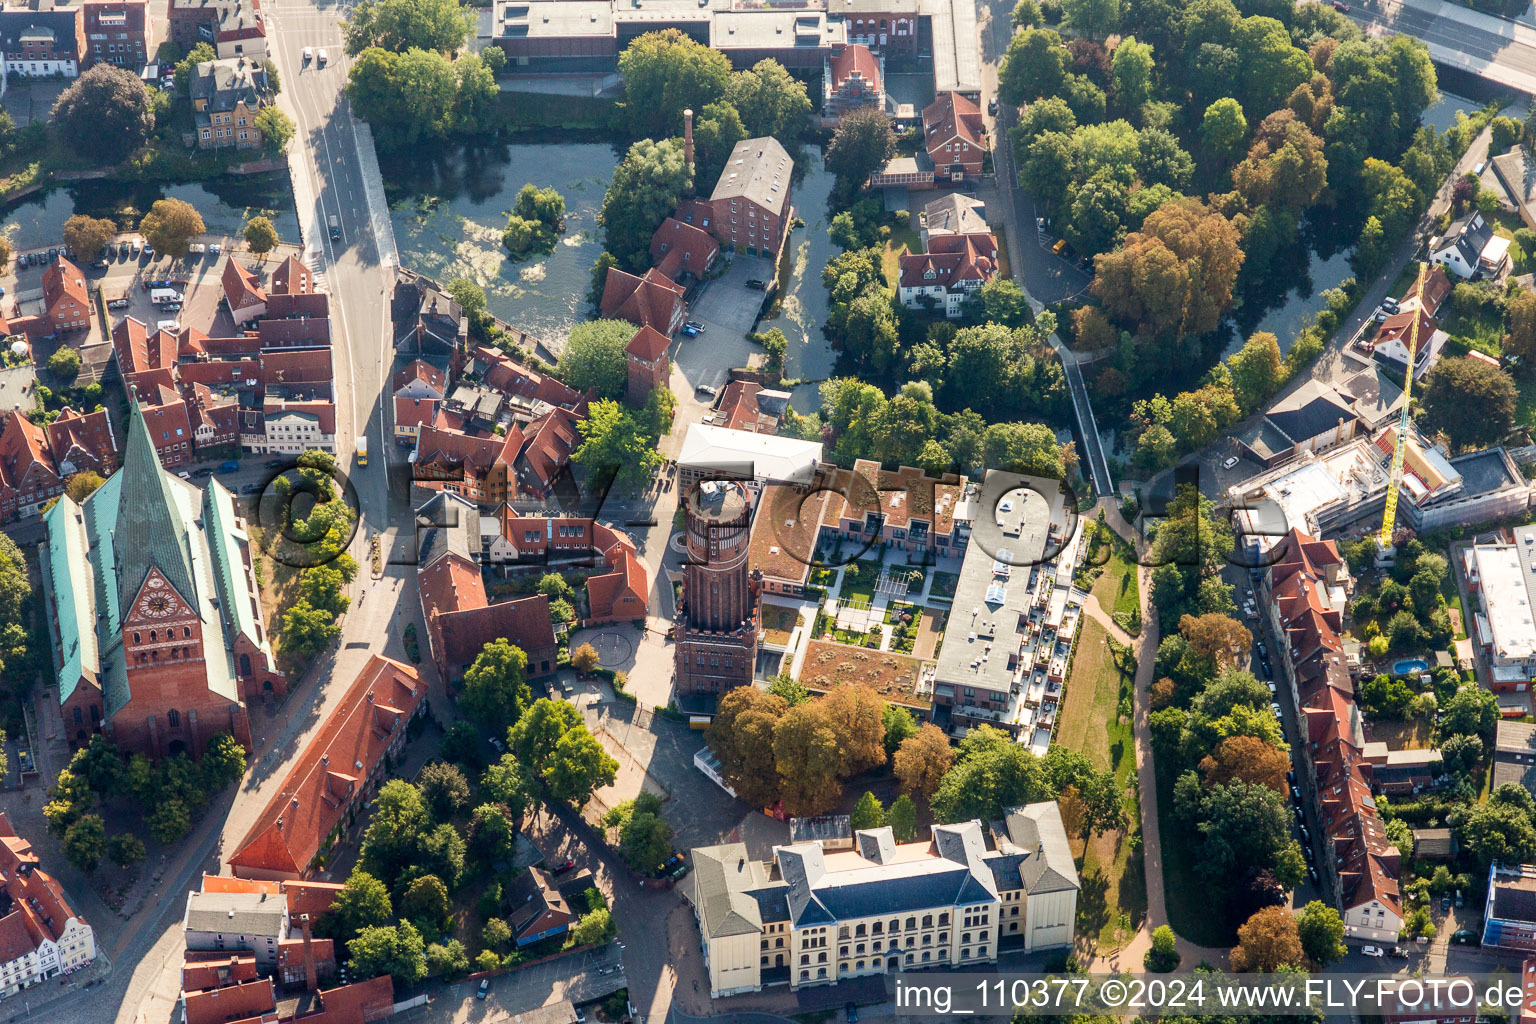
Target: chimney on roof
(311, 975)
(688, 142)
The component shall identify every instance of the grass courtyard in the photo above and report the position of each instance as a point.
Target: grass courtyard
(1113, 902)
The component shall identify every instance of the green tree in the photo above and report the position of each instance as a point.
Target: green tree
(223, 762)
(400, 821)
(425, 902)
(1091, 19)
(492, 835)
(508, 783)
(665, 73)
(362, 902)
(87, 235)
(594, 357)
(594, 928)
(199, 54)
(171, 224)
(476, 97)
(646, 187)
(260, 235)
(990, 773)
(444, 788)
(771, 101)
(448, 960)
(397, 951)
(496, 933)
(902, 817)
(401, 25)
(496, 688)
(277, 130)
(1005, 302)
(617, 442)
(307, 630)
(922, 761)
(863, 143)
(1497, 831)
(1256, 370)
(125, 849)
(578, 767)
(1132, 66)
(1471, 709)
(868, 813)
(1224, 128)
(645, 838)
(170, 822)
(1164, 954)
(64, 363)
(716, 130)
(534, 738)
(1472, 402)
(1035, 65)
(105, 114)
(898, 725)
(86, 842)
(408, 98)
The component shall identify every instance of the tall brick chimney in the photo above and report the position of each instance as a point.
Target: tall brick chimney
(311, 976)
(688, 141)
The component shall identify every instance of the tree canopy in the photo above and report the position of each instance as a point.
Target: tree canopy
(400, 25)
(105, 113)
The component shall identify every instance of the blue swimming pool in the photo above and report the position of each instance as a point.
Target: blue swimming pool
(1410, 666)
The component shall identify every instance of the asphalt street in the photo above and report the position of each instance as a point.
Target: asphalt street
(1496, 48)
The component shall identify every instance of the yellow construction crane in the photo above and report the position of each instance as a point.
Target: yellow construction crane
(1395, 477)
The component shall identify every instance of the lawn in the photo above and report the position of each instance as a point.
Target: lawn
(1117, 589)
(779, 622)
(902, 240)
(859, 582)
(893, 676)
(944, 584)
(1113, 904)
(1483, 331)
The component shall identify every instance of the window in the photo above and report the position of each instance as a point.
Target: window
(173, 717)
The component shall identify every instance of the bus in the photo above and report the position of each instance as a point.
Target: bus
(362, 451)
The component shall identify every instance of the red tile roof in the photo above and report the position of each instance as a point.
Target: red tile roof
(316, 305)
(853, 60)
(231, 1003)
(648, 344)
(83, 441)
(651, 300)
(421, 370)
(952, 118)
(550, 441)
(211, 970)
(312, 898)
(312, 331)
(334, 769)
(241, 287)
(37, 897)
(296, 366)
(953, 258)
(677, 247)
(23, 450)
(414, 412)
(292, 278)
(453, 601)
(510, 377)
(65, 281)
(358, 1003)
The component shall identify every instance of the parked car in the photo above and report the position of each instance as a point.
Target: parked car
(1445, 904)
(119, 304)
(1373, 951)
(695, 325)
(251, 489)
(705, 389)
(122, 250)
(688, 331)
(1312, 872)
(1306, 837)
(215, 249)
(184, 474)
(322, 57)
(149, 252)
(197, 248)
(1389, 304)
(276, 463)
(231, 466)
(309, 54)
(1295, 790)
(485, 983)
(1229, 463)
(1466, 937)
(1400, 952)
(992, 107)
(1341, 6)
(1460, 901)
(1290, 776)
(1263, 651)
(853, 1013)
(563, 866)
(757, 285)
(203, 471)
(1269, 673)
(1060, 246)
(500, 747)
(137, 247)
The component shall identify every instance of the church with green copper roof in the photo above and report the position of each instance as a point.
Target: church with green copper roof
(156, 620)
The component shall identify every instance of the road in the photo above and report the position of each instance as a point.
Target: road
(1485, 45)
(335, 175)
(1044, 277)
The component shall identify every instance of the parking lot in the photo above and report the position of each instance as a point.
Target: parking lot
(727, 302)
(578, 977)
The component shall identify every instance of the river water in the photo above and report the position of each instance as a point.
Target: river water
(449, 207)
(225, 205)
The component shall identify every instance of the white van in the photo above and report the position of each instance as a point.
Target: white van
(160, 296)
(169, 325)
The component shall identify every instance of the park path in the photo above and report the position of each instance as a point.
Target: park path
(1129, 957)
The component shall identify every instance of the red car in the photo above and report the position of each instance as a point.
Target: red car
(1341, 6)
(562, 868)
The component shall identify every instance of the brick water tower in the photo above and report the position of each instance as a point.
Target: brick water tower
(717, 620)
